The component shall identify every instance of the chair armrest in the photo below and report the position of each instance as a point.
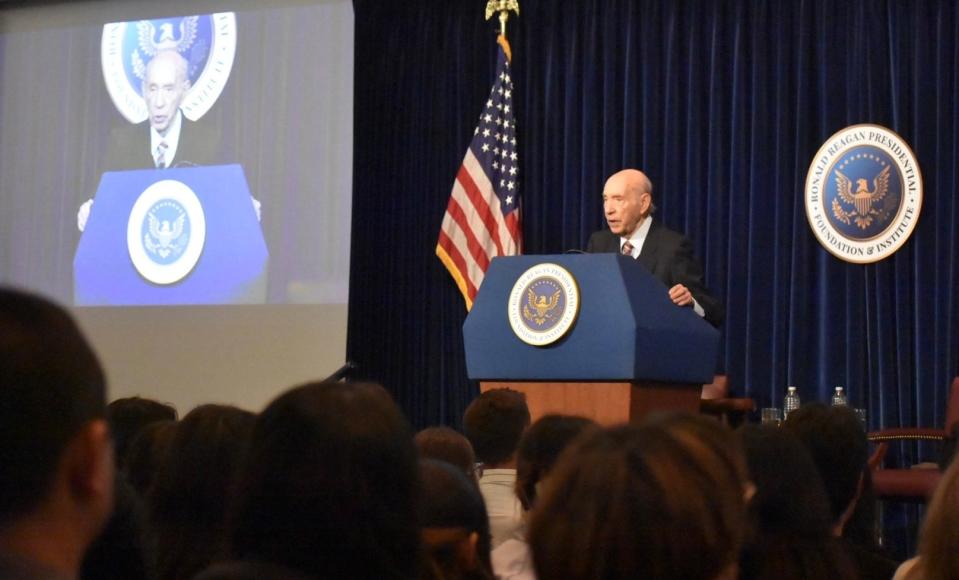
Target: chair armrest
(727, 405)
(905, 484)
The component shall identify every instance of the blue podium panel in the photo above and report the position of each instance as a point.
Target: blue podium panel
(174, 236)
(627, 330)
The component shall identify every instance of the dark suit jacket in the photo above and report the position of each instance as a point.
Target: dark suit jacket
(130, 147)
(668, 255)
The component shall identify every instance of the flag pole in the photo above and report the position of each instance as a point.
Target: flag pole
(502, 7)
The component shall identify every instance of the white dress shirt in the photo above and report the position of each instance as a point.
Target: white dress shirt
(502, 506)
(172, 139)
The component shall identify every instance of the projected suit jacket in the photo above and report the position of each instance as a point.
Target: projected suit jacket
(668, 255)
(130, 147)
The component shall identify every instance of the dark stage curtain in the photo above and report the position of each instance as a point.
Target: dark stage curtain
(723, 104)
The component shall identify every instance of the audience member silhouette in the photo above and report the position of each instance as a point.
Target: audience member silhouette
(188, 502)
(657, 501)
(791, 533)
(146, 454)
(56, 488)
(445, 444)
(836, 441)
(494, 423)
(128, 416)
(124, 550)
(538, 451)
(455, 528)
(328, 490)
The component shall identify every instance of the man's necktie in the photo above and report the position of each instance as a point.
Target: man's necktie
(161, 154)
(627, 249)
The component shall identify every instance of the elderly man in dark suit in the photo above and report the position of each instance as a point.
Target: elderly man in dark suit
(668, 255)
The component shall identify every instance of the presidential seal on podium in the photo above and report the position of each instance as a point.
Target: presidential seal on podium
(543, 304)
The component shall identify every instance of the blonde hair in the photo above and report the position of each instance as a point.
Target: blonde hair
(939, 539)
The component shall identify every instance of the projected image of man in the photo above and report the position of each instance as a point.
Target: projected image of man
(167, 139)
(165, 85)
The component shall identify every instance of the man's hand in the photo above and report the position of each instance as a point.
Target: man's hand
(680, 295)
(84, 214)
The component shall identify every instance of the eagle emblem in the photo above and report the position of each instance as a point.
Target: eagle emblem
(163, 238)
(861, 199)
(539, 308)
(150, 42)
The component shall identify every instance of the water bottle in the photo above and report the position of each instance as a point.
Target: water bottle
(791, 403)
(839, 398)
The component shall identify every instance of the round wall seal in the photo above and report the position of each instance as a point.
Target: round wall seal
(543, 304)
(207, 43)
(863, 193)
(166, 232)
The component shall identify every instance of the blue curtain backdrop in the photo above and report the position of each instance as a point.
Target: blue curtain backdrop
(723, 104)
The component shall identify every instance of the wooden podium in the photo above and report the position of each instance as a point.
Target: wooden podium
(630, 352)
(605, 403)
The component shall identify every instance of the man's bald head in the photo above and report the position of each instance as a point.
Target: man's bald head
(627, 200)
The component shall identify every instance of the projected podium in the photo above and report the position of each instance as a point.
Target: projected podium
(629, 352)
(173, 236)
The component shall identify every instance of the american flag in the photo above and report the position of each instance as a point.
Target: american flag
(482, 219)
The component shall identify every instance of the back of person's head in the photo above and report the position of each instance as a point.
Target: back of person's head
(53, 393)
(455, 527)
(539, 449)
(124, 550)
(836, 441)
(939, 538)
(652, 501)
(330, 483)
(792, 536)
(129, 415)
(494, 423)
(445, 444)
(146, 454)
(188, 501)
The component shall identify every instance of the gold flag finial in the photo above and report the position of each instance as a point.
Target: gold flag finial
(503, 7)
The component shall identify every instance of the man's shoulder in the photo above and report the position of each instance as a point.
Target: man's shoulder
(664, 232)
(603, 241)
(662, 236)
(197, 129)
(200, 144)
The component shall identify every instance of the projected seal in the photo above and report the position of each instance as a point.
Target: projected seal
(207, 43)
(166, 232)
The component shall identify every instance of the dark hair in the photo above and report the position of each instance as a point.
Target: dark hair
(791, 536)
(445, 444)
(494, 423)
(450, 501)
(539, 449)
(188, 501)
(122, 551)
(51, 385)
(146, 454)
(128, 416)
(652, 501)
(330, 485)
(836, 441)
